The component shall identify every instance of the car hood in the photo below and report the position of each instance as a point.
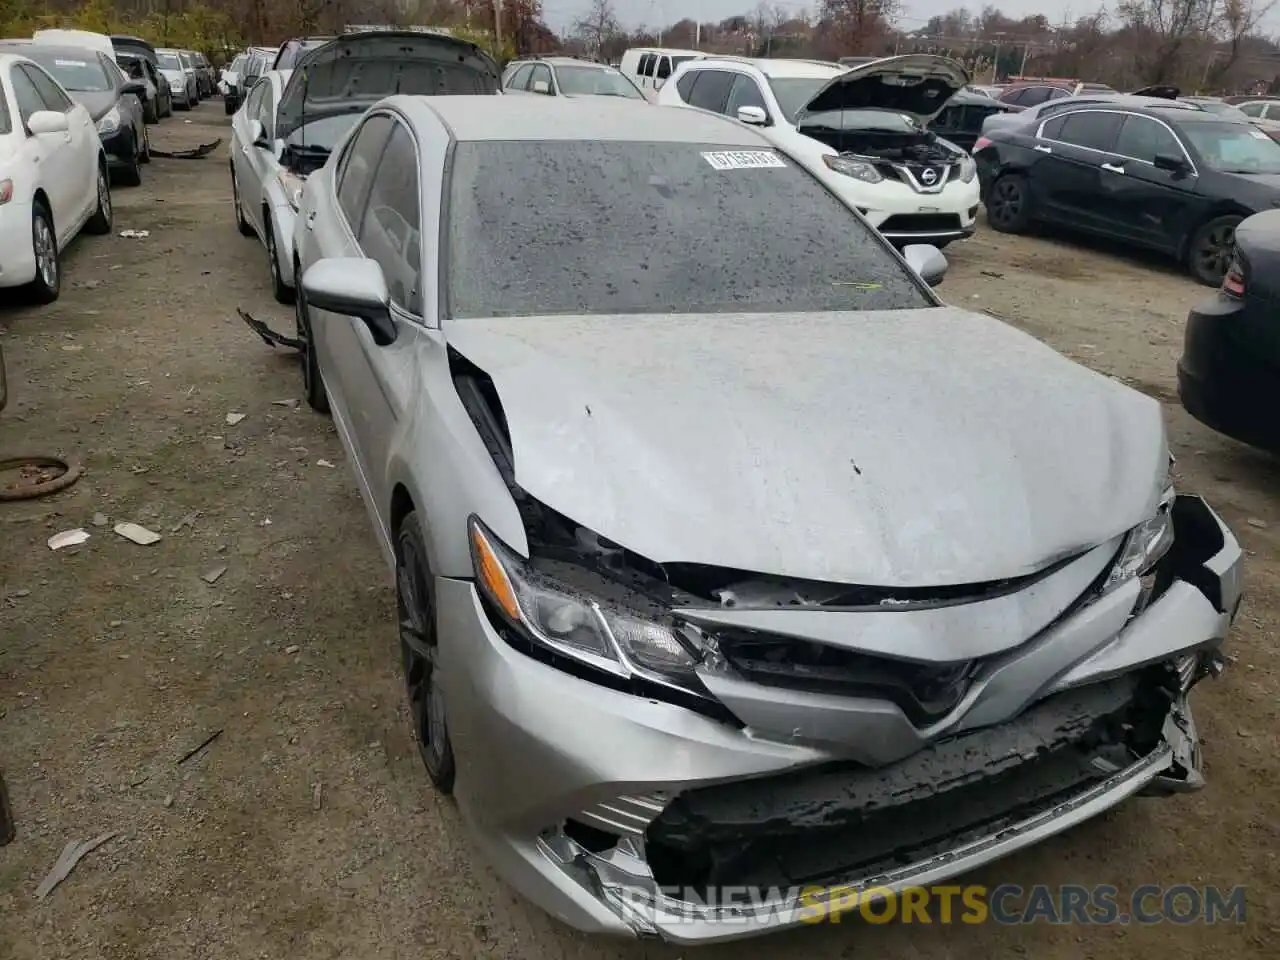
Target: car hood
(353, 72)
(916, 84)
(895, 448)
(96, 103)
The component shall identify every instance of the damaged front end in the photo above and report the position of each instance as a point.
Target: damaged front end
(837, 738)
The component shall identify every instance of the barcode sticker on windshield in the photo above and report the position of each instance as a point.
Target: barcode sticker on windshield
(70, 63)
(743, 159)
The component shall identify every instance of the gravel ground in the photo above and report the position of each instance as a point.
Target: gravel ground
(116, 659)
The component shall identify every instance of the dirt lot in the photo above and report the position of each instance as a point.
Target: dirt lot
(116, 660)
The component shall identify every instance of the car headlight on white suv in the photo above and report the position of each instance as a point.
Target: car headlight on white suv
(110, 122)
(968, 168)
(851, 167)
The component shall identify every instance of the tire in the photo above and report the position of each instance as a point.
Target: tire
(1211, 248)
(131, 176)
(1009, 204)
(243, 225)
(312, 379)
(229, 107)
(48, 280)
(420, 654)
(144, 156)
(101, 221)
(279, 289)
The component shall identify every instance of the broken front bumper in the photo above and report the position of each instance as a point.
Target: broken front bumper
(633, 816)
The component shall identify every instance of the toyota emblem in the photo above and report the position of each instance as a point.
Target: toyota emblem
(929, 176)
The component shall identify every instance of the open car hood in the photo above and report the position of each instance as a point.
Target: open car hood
(353, 72)
(916, 84)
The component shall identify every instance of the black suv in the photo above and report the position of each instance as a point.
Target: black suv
(1160, 175)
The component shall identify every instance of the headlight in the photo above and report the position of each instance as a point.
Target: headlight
(968, 168)
(858, 169)
(110, 121)
(568, 619)
(292, 185)
(1145, 545)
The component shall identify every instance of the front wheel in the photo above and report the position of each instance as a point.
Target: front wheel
(312, 381)
(420, 654)
(1211, 248)
(1009, 204)
(131, 176)
(44, 244)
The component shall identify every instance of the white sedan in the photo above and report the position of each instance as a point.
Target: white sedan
(53, 177)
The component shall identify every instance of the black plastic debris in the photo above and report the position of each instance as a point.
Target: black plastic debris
(269, 336)
(195, 153)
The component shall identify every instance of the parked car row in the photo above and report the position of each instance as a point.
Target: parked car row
(679, 611)
(74, 119)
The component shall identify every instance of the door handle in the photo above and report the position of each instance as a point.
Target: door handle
(1112, 168)
(1041, 148)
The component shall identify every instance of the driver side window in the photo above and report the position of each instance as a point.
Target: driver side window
(25, 92)
(358, 165)
(391, 230)
(50, 92)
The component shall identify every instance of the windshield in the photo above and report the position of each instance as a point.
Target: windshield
(1233, 147)
(168, 61)
(324, 132)
(187, 62)
(793, 93)
(598, 81)
(78, 72)
(610, 227)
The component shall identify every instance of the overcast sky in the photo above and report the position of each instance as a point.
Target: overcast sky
(633, 13)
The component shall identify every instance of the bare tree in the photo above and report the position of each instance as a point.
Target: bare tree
(597, 26)
(1237, 22)
(1166, 30)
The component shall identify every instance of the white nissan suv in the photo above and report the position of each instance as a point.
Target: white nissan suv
(862, 131)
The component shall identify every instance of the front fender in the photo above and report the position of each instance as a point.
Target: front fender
(283, 220)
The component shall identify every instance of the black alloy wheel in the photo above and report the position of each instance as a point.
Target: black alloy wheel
(1212, 249)
(1008, 206)
(420, 654)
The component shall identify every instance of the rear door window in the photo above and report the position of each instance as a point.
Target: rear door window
(1092, 130)
(712, 90)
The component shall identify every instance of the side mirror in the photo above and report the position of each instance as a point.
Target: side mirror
(352, 287)
(137, 88)
(48, 121)
(259, 134)
(754, 116)
(927, 261)
(541, 86)
(1171, 162)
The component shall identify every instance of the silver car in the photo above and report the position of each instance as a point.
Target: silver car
(736, 573)
(293, 118)
(181, 80)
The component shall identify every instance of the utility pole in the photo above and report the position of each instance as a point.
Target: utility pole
(497, 24)
(1026, 49)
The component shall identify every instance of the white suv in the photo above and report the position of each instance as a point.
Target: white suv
(862, 131)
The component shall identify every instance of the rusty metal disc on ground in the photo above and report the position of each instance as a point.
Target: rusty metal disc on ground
(29, 477)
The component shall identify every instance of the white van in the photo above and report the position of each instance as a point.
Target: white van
(77, 38)
(649, 67)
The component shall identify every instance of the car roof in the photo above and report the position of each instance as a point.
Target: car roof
(779, 67)
(53, 49)
(482, 117)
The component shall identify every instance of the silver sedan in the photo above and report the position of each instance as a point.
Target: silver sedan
(735, 572)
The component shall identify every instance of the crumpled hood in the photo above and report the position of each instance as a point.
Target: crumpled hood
(355, 71)
(916, 84)
(896, 448)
